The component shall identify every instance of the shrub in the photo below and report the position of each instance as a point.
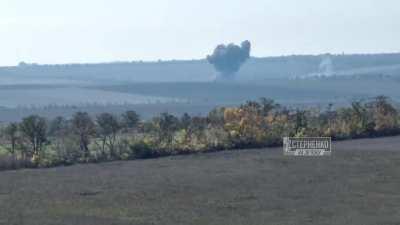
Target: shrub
(8, 162)
(142, 150)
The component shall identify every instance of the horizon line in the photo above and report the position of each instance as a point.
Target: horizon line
(25, 63)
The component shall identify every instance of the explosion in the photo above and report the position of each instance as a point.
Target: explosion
(227, 59)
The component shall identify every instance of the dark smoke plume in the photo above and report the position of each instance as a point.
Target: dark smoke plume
(227, 59)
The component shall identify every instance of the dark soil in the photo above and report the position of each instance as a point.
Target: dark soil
(359, 185)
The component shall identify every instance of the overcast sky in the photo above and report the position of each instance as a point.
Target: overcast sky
(65, 31)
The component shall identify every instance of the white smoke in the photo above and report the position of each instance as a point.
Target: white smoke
(326, 66)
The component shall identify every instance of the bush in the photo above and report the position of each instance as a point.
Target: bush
(8, 162)
(142, 150)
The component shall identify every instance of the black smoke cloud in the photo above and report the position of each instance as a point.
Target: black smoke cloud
(227, 59)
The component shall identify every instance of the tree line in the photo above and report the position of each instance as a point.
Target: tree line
(83, 138)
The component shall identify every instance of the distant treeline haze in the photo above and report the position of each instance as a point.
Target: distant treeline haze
(200, 70)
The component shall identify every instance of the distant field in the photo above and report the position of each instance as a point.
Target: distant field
(196, 98)
(70, 96)
(285, 91)
(146, 111)
(358, 185)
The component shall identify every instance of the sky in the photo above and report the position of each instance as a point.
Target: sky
(88, 31)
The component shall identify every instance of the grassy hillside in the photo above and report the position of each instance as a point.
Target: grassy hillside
(359, 185)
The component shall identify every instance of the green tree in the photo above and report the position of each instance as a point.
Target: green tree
(216, 117)
(84, 127)
(385, 115)
(11, 135)
(267, 105)
(166, 125)
(130, 119)
(301, 122)
(58, 127)
(34, 129)
(108, 128)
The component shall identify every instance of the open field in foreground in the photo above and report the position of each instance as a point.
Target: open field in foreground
(359, 185)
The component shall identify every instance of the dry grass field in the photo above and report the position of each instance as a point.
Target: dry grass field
(359, 185)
